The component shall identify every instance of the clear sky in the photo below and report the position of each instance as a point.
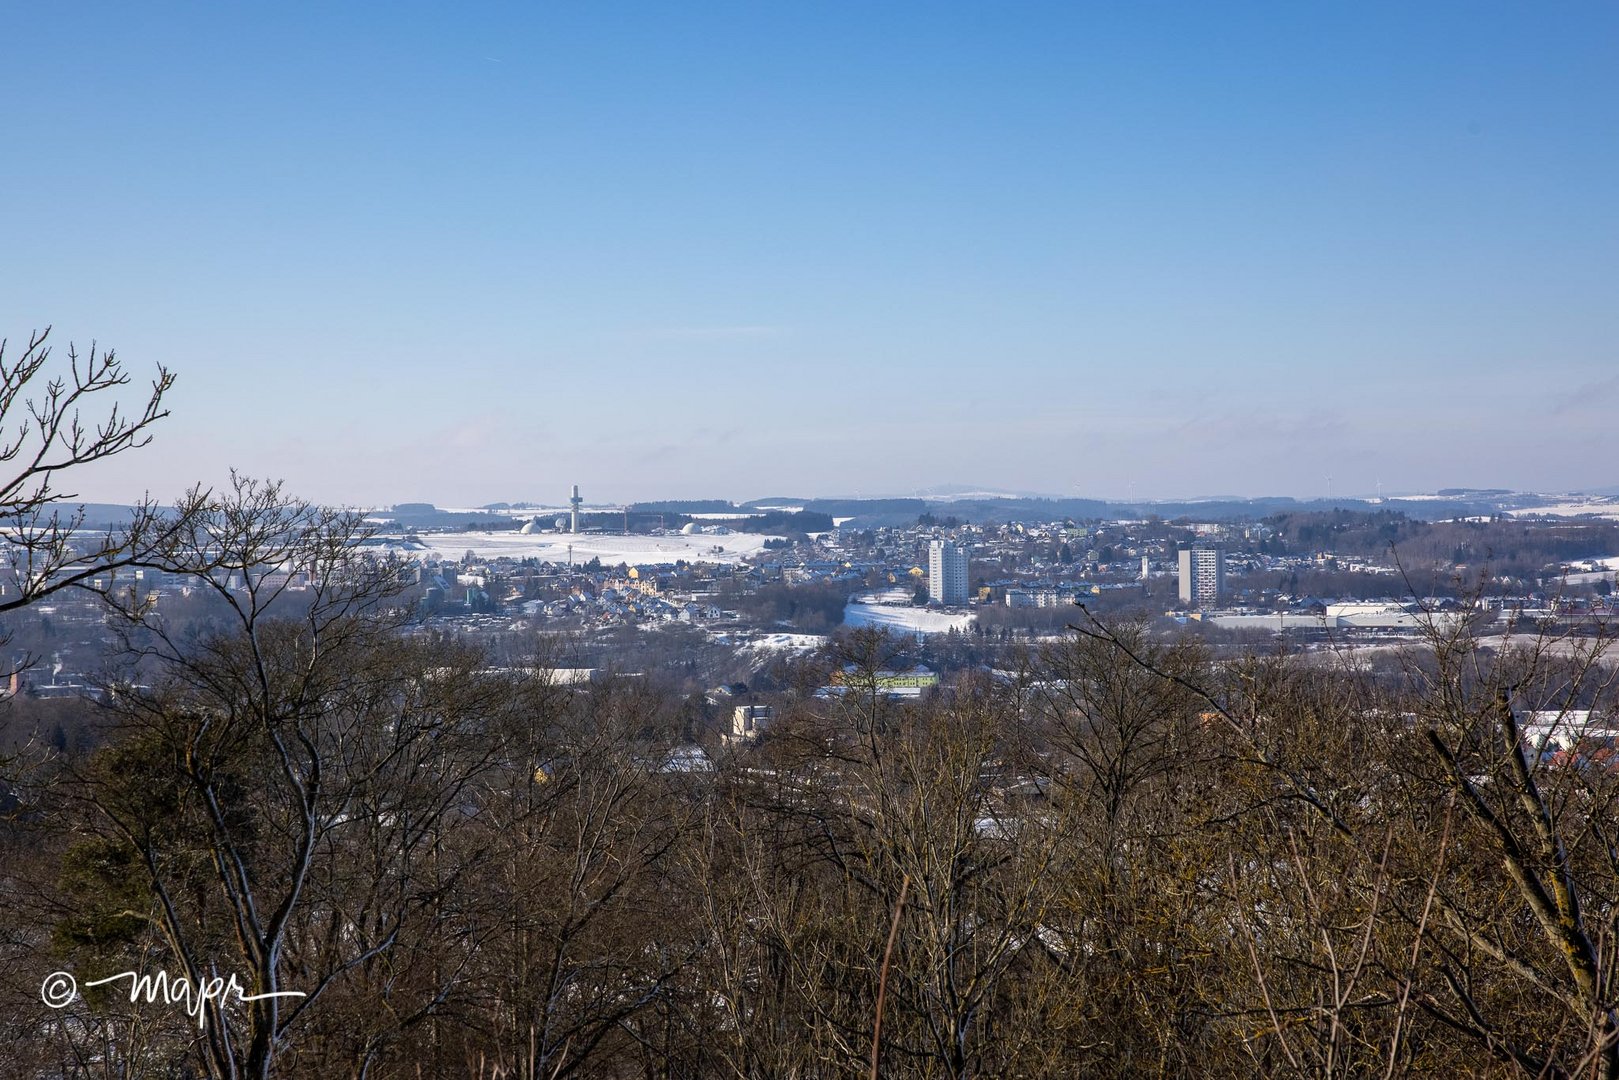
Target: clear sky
(466, 253)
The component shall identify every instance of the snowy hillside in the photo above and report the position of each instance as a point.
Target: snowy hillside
(610, 548)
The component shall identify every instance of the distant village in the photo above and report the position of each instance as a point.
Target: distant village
(720, 596)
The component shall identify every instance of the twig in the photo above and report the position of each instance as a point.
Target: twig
(882, 978)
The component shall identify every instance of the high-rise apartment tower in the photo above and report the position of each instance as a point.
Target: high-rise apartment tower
(1202, 575)
(947, 573)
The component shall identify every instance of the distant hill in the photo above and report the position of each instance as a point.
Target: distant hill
(686, 506)
(104, 515)
(428, 516)
(862, 513)
(977, 492)
(99, 516)
(964, 503)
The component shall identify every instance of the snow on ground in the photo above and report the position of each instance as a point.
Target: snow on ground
(1591, 577)
(787, 642)
(906, 619)
(965, 496)
(611, 549)
(516, 511)
(1556, 646)
(886, 596)
(1595, 505)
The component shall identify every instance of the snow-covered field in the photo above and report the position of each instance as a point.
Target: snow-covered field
(896, 595)
(1556, 646)
(611, 549)
(787, 643)
(1591, 577)
(1597, 505)
(519, 512)
(906, 619)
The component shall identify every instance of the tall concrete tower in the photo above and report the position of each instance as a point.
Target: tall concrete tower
(575, 502)
(947, 573)
(1202, 575)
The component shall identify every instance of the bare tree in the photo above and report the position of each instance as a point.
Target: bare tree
(274, 781)
(56, 420)
(582, 828)
(1537, 939)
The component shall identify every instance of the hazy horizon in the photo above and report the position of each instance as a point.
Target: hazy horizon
(1097, 251)
(593, 504)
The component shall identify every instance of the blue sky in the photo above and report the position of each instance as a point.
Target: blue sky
(416, 252)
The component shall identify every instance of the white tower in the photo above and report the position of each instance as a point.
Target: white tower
(575, 502)
(947, 573)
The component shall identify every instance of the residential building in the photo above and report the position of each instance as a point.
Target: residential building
(1033, 598)
(1202, 575)
(748, 722)
(947, 573)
